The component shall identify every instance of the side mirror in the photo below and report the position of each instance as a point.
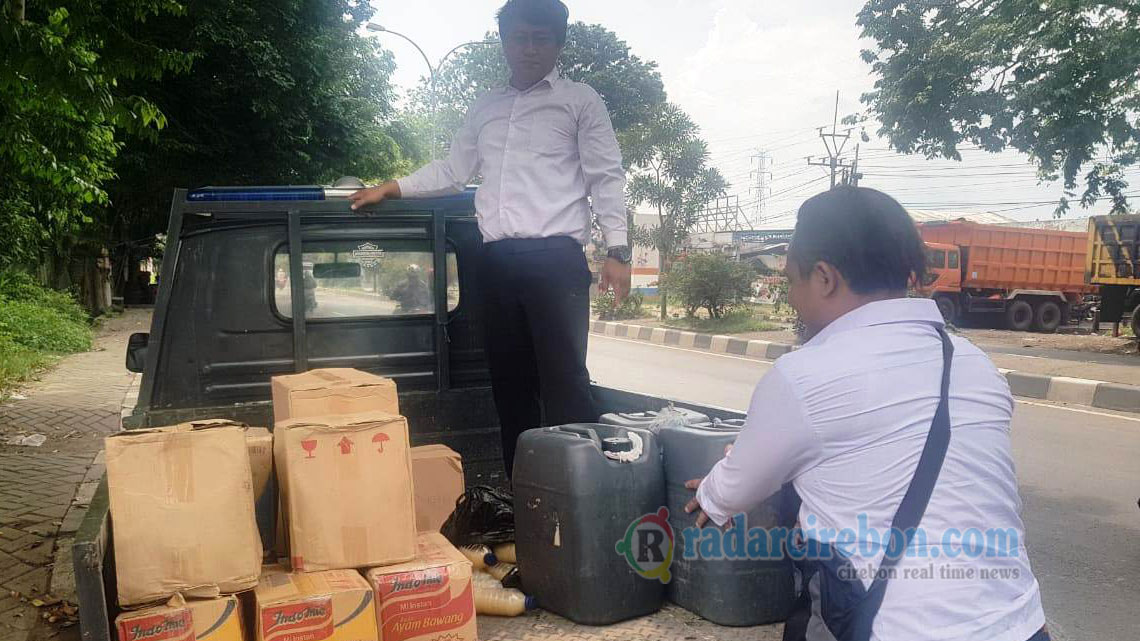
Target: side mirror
(136, 352)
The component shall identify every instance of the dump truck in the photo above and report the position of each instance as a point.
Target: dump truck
(235, 307)
(1033, 278)
(1113, 264)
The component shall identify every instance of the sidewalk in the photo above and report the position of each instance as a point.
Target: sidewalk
(74, 405)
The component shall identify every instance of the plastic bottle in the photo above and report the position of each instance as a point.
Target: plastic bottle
(480, 556)
(505, 552)
(500, 570)
(480, 578)
(502, 602)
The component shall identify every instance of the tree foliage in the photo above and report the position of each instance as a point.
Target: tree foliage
(1055, 79)
(713, 282)
(280, 92)
(631, 87)
(64, 110)
(672, 174)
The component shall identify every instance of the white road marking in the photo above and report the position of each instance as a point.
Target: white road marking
(1078, 410)
(680, 349)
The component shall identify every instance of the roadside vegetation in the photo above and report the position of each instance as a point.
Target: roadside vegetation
(36, 326)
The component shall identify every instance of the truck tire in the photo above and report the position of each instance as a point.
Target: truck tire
(1047, 317)
(1019, 315)
(949, 309)
(1135, 324)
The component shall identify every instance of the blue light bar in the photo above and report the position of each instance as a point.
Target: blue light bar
(215, 194)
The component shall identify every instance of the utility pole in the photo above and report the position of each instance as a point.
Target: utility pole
(760, 178)
(834, 143)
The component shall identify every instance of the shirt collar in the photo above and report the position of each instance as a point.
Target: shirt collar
(549, 79)
(883, 312)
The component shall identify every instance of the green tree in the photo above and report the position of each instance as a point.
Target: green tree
(631, 87)
(713, 282)
(1054, 79)
(64, 113)
(672, 174)
(280, 92)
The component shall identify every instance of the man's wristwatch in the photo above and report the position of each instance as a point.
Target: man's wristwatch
(621, 253)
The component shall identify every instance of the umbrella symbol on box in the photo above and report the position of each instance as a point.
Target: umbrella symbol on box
(345, 445)
(381, 439)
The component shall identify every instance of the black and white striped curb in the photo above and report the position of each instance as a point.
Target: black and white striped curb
(1061, 389)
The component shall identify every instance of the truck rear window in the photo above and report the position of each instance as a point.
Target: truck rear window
(364, 278)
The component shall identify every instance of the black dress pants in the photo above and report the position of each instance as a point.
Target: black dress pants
(536, 312)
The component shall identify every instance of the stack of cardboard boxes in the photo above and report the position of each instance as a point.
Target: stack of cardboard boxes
(359, 514)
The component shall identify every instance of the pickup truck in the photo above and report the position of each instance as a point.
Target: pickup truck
(267, 281)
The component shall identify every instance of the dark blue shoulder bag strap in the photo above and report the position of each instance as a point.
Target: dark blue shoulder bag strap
(917, 496)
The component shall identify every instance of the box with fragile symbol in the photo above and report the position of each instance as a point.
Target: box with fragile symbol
(346, 489)
(321, 392)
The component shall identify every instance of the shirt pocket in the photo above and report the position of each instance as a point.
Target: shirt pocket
(554, 132)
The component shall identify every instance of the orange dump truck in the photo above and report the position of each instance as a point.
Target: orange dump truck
(1033, 277)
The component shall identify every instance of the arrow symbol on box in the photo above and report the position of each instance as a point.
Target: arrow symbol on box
(345, 446)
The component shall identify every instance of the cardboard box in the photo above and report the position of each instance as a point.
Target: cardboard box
(335, 605)
(259, 443)
(323, 392)
(437, 474)
(181, 620)
(182, 511)
(346, 486)
(428, 598)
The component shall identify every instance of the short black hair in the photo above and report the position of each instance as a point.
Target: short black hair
(542, 13)
(863, 233)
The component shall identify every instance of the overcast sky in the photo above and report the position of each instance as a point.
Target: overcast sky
(755, 75)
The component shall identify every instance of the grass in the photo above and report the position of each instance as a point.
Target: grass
(732, 323)
(36, 326)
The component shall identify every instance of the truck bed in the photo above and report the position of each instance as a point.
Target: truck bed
(1010, 258)
(433, 419)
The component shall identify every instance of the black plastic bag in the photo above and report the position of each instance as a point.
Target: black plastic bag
(483, 515)
(512, 580)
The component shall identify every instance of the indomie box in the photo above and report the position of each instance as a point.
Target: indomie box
(437, 474)
(346, 487)
(334, 605)
(321, 392)
(180, 620)
(427, 598)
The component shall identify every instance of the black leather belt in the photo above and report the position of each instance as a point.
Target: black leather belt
(523, 245)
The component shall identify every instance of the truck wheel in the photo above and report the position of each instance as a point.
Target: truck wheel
(1136, 322)
(1047, 317)
(949, 309)
(1019, 316)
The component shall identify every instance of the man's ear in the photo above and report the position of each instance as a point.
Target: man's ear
(827, 278)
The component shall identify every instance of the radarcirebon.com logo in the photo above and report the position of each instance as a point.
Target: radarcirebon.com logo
(648, 545)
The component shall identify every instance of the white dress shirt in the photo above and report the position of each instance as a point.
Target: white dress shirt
(541, 153)
(845, 419)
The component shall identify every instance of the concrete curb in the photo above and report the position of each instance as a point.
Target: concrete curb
(1061, 389)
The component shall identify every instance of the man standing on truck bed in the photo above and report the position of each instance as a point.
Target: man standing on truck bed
(547, 153)
(879, 404)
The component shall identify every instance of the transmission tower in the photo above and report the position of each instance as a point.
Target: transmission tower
(723, 214)
(760, 187)
(842, 172)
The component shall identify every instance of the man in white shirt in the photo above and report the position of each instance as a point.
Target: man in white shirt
(547, 153)
(845, 419)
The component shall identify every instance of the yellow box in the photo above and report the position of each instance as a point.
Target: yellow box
(333, 605)
(180, 620)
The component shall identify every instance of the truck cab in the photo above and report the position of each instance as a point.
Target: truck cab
(943, 280)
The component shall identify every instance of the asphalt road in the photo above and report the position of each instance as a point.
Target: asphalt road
(1079, 471)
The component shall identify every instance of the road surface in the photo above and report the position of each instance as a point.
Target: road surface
(1079, 471)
